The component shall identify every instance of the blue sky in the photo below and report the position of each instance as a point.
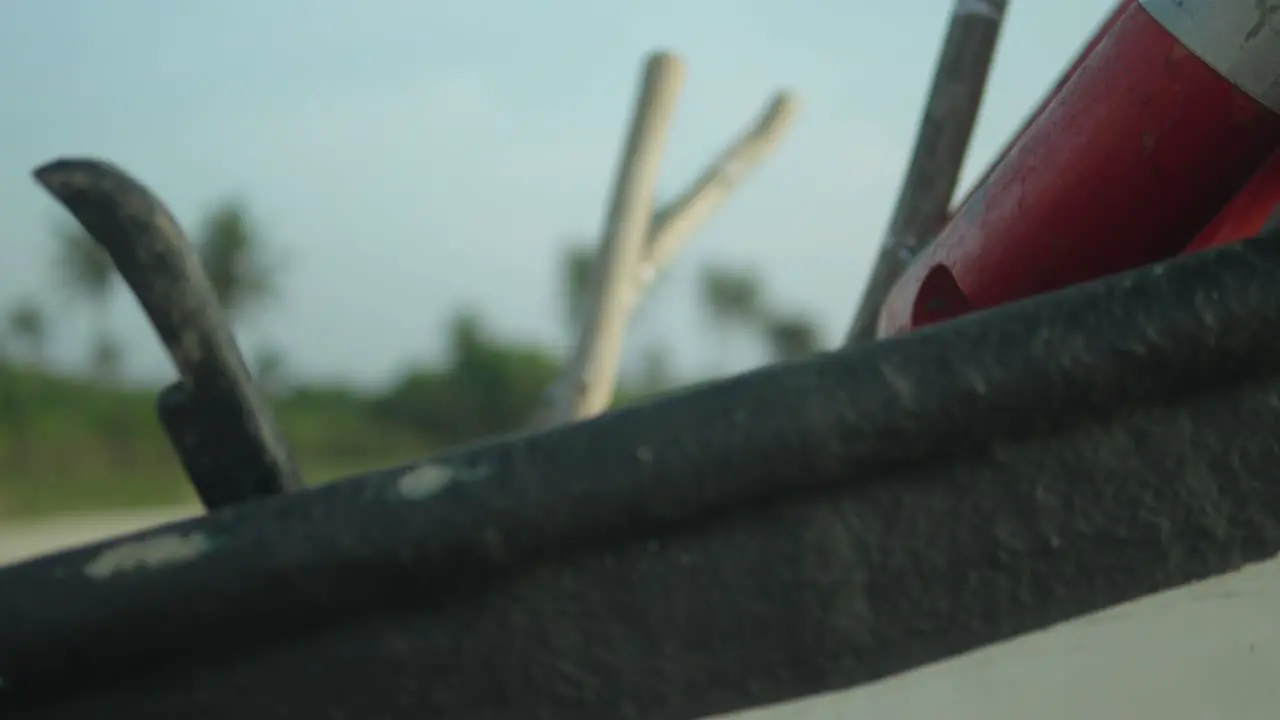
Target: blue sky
(406, 158)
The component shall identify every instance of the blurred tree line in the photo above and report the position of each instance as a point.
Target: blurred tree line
(485, 385)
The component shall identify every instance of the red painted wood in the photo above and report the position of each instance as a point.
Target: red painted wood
(1136, 153)
(1247, 212)
(1048, 99)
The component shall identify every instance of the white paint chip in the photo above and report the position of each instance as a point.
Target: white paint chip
(424, 481)
(429, 479)
(148, 554)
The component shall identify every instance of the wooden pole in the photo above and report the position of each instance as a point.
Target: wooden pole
(633, 252)
(941, 144)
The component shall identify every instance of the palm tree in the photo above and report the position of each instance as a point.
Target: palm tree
(732, 296)
(27, 326)
(269, 370)
(655, 374)
(791, 337)
(232, 254)
(106, 358)
(86, 268)
(733, 300)
(89, 274)
(578, 270)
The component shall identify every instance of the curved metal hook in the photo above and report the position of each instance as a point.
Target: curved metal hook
(217, 420)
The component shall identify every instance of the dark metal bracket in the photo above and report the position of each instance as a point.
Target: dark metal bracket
(216, 419)
(801, 528)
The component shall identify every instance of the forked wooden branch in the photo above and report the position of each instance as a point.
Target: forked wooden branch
(628, 264)
(679, 220)
(588, 380)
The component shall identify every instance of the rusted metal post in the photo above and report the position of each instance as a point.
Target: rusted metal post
(941, 143)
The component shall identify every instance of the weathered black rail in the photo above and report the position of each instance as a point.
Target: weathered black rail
(797, 529)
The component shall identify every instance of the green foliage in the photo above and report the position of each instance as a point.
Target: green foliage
(85, 267)
(578, 272)
(735, 300)
(28, 328)
(89, 275)
(656, 375)
(487, 387)
(106, 358)
(732, 296)
(234, 258)
(270, 371)
(791, 337)
(61, 438)
(66, 444)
